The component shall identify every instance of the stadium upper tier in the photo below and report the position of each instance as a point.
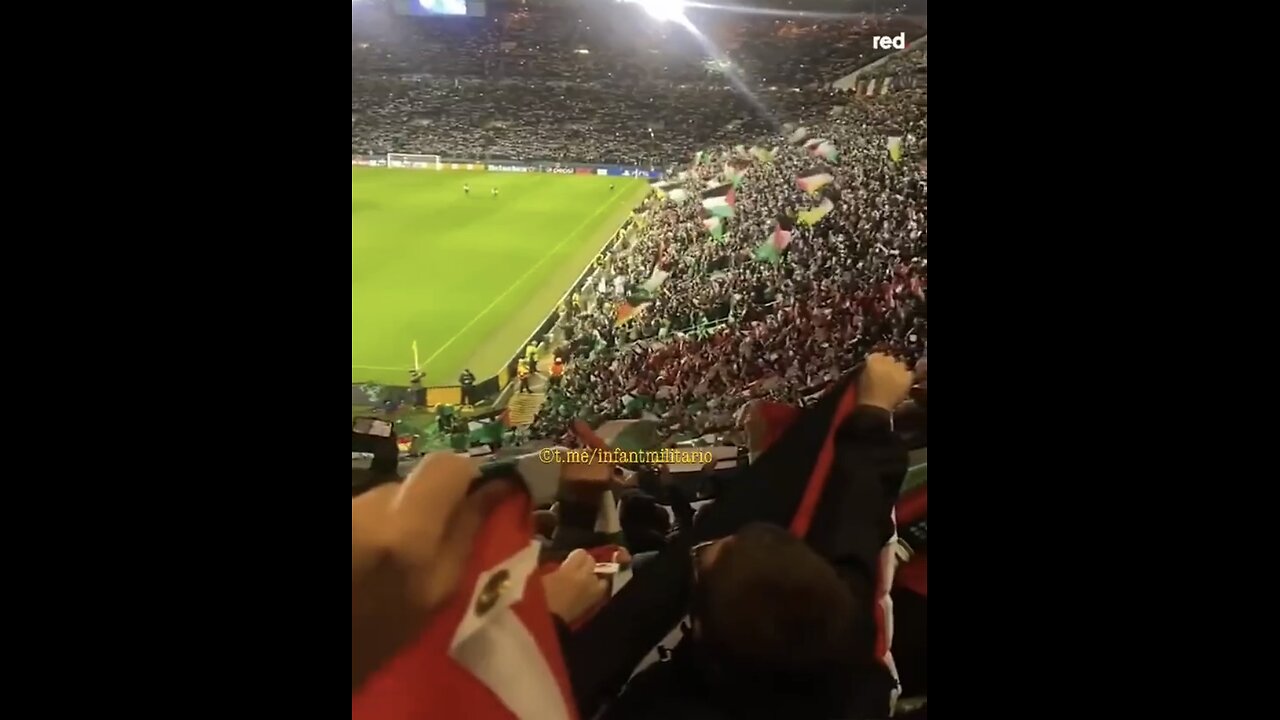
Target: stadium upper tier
(581, 123)
(600, 82)
(605, 41)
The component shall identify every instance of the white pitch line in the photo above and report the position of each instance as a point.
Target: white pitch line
(516, 284)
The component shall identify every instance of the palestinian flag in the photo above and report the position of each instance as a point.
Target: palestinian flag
(719, 201)
(811, 145)
(827, 151)
(831, 474)
(798, 137)
(628, 311)
(759, 153)
(782, 232)
(714, 225)
(812, 216)
(771, 250)
(815, 179)
(678, 195)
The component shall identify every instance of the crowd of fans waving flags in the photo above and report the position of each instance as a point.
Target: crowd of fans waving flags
(755, 270)
(718, 196)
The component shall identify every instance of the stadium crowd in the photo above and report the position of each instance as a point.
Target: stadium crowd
(755, 602)
(589, 82)
(726, 327)
(783, 594)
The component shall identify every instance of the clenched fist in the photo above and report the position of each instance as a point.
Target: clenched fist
(409, 543)
(573, 588)
(884, 383)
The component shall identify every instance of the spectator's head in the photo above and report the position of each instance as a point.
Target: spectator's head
(644, 524)
(778, 628)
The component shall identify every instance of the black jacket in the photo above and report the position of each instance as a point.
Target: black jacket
(850, 523)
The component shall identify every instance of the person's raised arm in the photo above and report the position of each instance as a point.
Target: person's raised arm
(870, 464)
(409, 542)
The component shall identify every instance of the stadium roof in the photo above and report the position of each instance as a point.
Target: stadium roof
(841, 6)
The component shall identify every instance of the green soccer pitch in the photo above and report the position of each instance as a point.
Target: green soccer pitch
(467, 277)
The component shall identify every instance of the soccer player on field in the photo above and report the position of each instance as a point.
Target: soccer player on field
(466, 189)
(494, 193)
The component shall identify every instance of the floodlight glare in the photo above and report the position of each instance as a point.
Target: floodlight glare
(663, 9)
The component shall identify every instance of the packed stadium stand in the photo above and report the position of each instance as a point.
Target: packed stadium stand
(765, 304)
(589, 81)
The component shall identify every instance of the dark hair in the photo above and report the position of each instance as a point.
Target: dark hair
(781, 631)
(644, 523)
